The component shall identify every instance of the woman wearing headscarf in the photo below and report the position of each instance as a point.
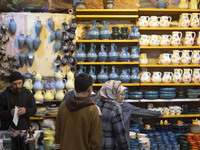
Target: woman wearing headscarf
(114, 133)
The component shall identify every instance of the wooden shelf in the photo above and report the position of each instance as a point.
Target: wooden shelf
(124, 84)
(170, 84)
(107, 41)
(168, 28)
(157, 11)
(36, 118)
(169, 47)
(156, 65)
(99, 14)
(108, 63)
(162, 100)
(182, 116)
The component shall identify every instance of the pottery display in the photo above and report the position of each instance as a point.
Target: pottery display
(92, 55)
(102, 55)
(165, 40)
(30, 58)
(145, 77)
(176, 58)
(183, 4)
(154, 21)
(113, 55)
(186, 57)
(28, 84)
(21, 41)
(28, 75)
(144, 40)
(60, 84)
(59, 34)
(38, 28)
(81, 55)
(38, 85)
(156, 77)
(125, 76)
(165, 21)
(195, 20)
(198, 39)
(134, 34)
(187, 75)
(177, 77)
(115, 33)
(184, 20)
(29, 42)
(189, 38)
(166, 58)
(94, 32)
(12, 26)
(51, 24)
(59, 75)
(52, 37)
(135, 53)
(155, 40)
(92, 73)
(49, 95)
(167, 77)
(162, 4)
(103, 75)
(57, 46)
(124, 55)
(143, 59)
(22, 58)
(143, 21)
(73, 24)
(196, 76)
(60, 94)
(39, 95)
(70, 81)
(176, 38)
(36, 43)
(135, 77)
(196, 57)
(48, 86)
(82, 69)
(193, 4)
(114, 74)
(124, 33)
(105, 32)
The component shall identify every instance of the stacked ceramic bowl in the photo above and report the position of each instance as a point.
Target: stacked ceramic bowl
(52, 111)
(193, 93)
(167, 93)
(136, 95)
(151, 94)
(41, 111)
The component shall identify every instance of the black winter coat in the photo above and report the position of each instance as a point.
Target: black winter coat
(8, 101)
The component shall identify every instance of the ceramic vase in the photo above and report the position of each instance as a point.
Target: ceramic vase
(115, 33)
(102, 55)
(51, 24)
(58, 34)
(52, 37)
(105, 32)
(30, 58)
(12, 26)
(134, 34)
(59, 84)
(94, 32)
(81, 55)
(36, 43)
(135, 53)
(125, 76)
(29, 42)
(135, 78)
(92, 55)
(103, 75)
(22, 59)
(92, 73)
(124, 55)
(38, 28)
(73, 24)
(113, 55)
(57, 46)
(114, 74)
(21, 41)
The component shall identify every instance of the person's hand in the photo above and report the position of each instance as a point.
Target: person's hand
(21, 110)
(162, 114)
(12, 112)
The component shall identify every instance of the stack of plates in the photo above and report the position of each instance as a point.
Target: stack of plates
(167, 93)
(136, 95)
(193, 93)
(151, 94)
(41, 111)
(52, 111)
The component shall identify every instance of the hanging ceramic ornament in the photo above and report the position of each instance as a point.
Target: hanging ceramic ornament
(59, 34)
(38, 28)
(57, 46)
(29, 42)
(51, 24)
(36, 43)
(12, 26)
(21, 41)
(30, 58)
(22, 58)
(52, 37)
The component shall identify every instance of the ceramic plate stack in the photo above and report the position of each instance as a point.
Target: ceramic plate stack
(167, 93)
(135, 95)
(151, 94)
(52, 111)
(193, 93)
(41, 111)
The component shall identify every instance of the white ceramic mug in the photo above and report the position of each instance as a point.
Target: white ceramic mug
(178, 109)
(166, 110)
(172, 110)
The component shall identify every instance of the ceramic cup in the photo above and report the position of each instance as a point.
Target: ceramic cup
(172, 110)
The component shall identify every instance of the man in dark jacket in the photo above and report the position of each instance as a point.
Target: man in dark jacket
(16, 95)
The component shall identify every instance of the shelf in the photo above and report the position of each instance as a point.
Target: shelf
(168, 28)
(181, 116)
(163, 100)
(52, 101)
(36, 118)
(157, 11)
(170, 84)
(124, 84)
(155, 65)
(169, 47)
(108, 63)
(107, 41)
(99, 14)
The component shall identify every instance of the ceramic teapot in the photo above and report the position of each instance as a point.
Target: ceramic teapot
(59, 75)
(156, 77)
(38, 76)
(59, 84)
(196, 76)
(187, 75)
(48, 86)
(28, 75)
(189, 38)
(70, 81)
(145, 77)
(186, 57)
(165, 40)
(195, 20)
(177, 77)
(143, 21)
(167, 77)
(166, 58)
(49, 95)
(60, 94)
(28, 84)
(176, 58)
(155, 40)
(196, 57)
(176, 38)
(39, 95)
(38, 85)
(143, 59)
(144, 40)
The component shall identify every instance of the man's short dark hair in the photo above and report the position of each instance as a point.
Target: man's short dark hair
(82, 82)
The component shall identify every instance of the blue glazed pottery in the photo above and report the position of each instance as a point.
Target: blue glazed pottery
(38, 28)
(51, 24)
(52, 37)
(151, 96)
(66, 26)
(12, 26)
(167, 89)
(167, 96)
(22, 58)
(105, 32)
(136, 96)
(57, 46)
(92, 73)
(162, 4)
(28, 75)
(136, 93)
(36, 43)
(135, 78)
(115, 33)
(59, 84)
(72, 60)
(135, 53)
(94, 32)
(71, 35)
(82, 69)
(30, 58)
(151, 93)
(81, 55)
(59, 34)
(21, 41)
(66, 37)
(114, 74)
(125, 76)
(29, 42)
(92, 55)
(113, 55)
(124, 55)
(48, 86)
(102, 55)
(38, 85)
(124, 33)
(103, 75)
(73, 24)
(134, 34)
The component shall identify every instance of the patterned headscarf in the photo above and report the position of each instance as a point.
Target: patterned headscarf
(110, 90)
